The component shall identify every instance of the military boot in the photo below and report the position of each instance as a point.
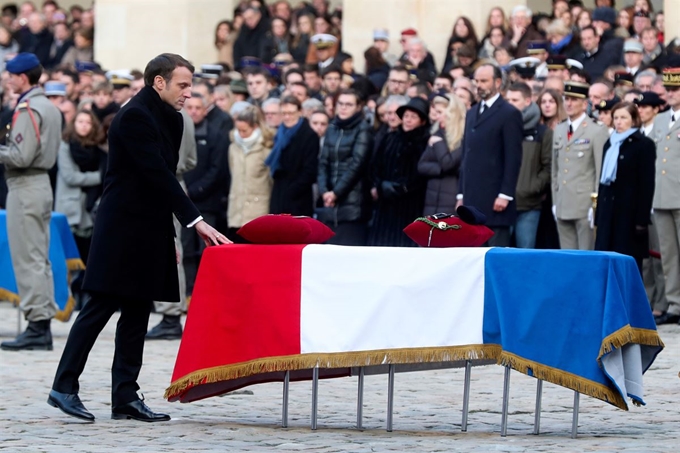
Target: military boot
(168, 329)
(36, 337)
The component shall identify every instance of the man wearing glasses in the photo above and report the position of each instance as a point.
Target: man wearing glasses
(399, 81)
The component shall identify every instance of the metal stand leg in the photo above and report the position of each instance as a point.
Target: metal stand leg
(315, 395)
(466, 395)
(537, 415)
(506, 398)
(390, 398)
(284, 410)
(574, 422)
(360, 399)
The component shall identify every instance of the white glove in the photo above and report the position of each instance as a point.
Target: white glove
(591, 218)
(554, 211)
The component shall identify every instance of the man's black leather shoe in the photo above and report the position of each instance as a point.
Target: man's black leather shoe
(36, 337)
(168, 329)
(137, 410)
(667, 318)
(70, 404)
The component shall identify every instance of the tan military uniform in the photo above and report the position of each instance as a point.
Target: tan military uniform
(576, 167)
(667, 204)
(188, 157)
(33, 144)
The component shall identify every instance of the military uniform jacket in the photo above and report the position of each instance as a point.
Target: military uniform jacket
(667, 190)
(133, 243)
(35, 135)
(576, 167)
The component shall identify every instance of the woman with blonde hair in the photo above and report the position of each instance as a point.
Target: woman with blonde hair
(552, 108)
(440, 162)
(251, 183)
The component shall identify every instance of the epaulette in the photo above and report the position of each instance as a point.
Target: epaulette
(22, 105)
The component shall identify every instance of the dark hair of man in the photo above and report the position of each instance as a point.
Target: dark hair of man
(422, 89)
(521, 87)
(585, 75)
(209, 87)
(401, 68)
(292, 71)
(630, 108)
(331, 69)
(256, 71)
(497, 73)
(164, 65)
(136, 74)
(351, 92)
(311, 68)
(197, 95)
(34, 74)
(68, 72)
(300, 84)
(591, 28)
(291, 100)
(446, 76)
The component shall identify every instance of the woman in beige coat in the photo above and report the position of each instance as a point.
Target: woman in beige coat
(251, 183)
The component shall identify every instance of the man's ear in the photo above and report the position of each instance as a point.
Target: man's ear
(159, 82)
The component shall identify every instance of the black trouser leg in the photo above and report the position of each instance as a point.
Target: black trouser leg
(127, 360)
(84, 332)
(500, 238)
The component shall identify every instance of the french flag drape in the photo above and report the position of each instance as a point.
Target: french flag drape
(577, 319)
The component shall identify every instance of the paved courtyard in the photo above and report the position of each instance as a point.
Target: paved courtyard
(427, 410)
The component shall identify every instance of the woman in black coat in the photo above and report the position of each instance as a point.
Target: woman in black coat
(343, 172)
(398, 188)
(624, 200)
(293, 162)
(440, 163)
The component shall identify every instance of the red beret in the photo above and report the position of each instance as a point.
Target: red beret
(409, 32)
(285, 229)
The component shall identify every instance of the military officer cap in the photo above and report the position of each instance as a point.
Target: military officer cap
(324, 40)
(649, 98)
(86, 66)
(633, 45)
(576, 89)
(605, 106)
(211, 71)
(671, 77)
(623, 78)
(23, 62)
(380, 34)
(557, 62)
(537, 47)
(526, 66)
(53, 88)
(250, 62)
(571, 63)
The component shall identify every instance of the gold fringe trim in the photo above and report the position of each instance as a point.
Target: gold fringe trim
(9, 296)
(563, 379)
(333, 360)
(627, 335)
(65, 314)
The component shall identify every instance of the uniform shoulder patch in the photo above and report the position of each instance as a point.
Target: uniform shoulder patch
(18, 139)
(22, 105)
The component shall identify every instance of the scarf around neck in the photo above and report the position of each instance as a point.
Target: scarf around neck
(247, 144)
(281, 140)
(531, 116)
(611, 160)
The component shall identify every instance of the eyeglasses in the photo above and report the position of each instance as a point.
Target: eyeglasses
(345, 104)
(270, 113)
(292, 113)
(398, 82)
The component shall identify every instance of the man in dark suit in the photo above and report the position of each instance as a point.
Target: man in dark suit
(133, 258)
(492, 156)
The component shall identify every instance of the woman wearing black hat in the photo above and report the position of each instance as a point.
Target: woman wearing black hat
(624, 200)
(398, 188)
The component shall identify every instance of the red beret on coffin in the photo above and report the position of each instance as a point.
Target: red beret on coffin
(285, 229)
(448, 230)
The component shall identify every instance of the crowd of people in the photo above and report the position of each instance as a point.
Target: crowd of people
(560, 127)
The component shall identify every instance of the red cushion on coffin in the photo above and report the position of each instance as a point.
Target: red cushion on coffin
(285, 229)
(447, 232)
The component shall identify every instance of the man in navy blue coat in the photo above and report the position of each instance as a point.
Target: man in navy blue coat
(492, 156)
(133, 259)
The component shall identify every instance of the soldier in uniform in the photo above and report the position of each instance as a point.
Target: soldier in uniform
(576, 165)
(31, 150)
(666, 134)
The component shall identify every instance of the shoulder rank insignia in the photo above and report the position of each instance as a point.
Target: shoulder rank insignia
(23, 105)
(18, 139)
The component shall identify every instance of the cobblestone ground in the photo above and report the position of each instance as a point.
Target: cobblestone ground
(427, 410)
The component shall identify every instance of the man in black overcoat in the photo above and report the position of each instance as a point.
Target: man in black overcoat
(492, 156)
(133, 258)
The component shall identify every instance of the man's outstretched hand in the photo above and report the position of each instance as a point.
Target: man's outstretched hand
(210, 235)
